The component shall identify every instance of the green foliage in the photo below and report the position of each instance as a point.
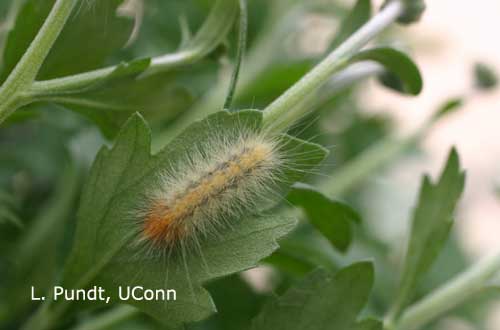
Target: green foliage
(486, 78)
(171, 75)
(449, 107)
(81, 47)
(432, 220)
(412, 12)
(8, 211)
(113, 94)
(103, 253)
(332, 218)
(37, 254)
(401, 74)
(322, 301)
(160, 97)
(359, 15)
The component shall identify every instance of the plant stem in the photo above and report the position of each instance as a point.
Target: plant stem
(337, 83)
(343, 79)
(82, 81)
(7, 24)
(375, 157)
(23, 75)
(21, 89)
(331, 64)
(451, 295)
(257, 60)
(261, 56)
(209, 36)
(242, 44)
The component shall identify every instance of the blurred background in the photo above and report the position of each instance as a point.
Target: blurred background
(286, 38)
(450, 38)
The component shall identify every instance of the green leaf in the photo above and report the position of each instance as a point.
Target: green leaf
(358, 16)
(103, 31)
(486, 77)
(321, 301)
(36, 256)
(166, 26)
(104, 253)
(302, 251)
(91, 36)
(402, 73)
(159, 98)
(332, 218)
(29, 20)
(8, 208)
(20, 116)
(448, 107)
(7, 216)
(215, 29)
(369, 324)
(432, 220)
(412, 12)
(237, 303)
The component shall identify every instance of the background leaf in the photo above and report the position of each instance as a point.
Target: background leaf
(160, 98)
(402, 73)
(485, 75)
(332, 218)
(111, 101)
(321, 301)
(432, 220)
(359, 15)
(369, 324)
(8, 208)
(38, 253)
(91, 36)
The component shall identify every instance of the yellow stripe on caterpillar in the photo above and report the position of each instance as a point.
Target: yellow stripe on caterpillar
(211, 184)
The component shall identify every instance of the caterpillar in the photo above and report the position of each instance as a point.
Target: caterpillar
(214, 182)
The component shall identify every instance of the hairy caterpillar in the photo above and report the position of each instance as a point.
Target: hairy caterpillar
(223, 177)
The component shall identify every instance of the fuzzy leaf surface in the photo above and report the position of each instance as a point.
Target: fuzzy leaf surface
(104, 253)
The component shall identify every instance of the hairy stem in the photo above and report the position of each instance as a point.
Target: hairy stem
(23, 75)
(345, 78)
(21, 88)
(331, 64)
(202, 44)
(449, 296)
(261, 56)
(82, 81)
